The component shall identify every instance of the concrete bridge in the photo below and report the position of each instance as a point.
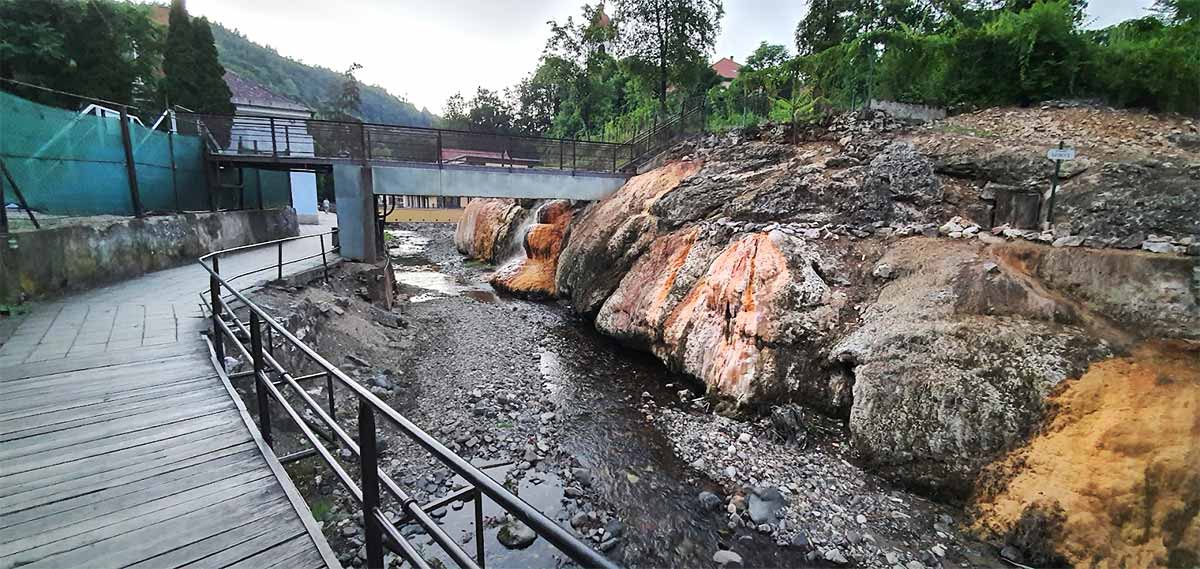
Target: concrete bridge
(368, 160)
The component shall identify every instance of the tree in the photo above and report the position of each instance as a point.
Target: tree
(824, 25)
(767, 55)
(212, 91)
(666, 34)
(1178, 11)
(193, 76)
(345, 104)
(100, 68)
(178, 58)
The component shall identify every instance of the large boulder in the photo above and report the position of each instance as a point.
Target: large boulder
(953, 362)
(486, 228)
(751, 315)
(611, 234)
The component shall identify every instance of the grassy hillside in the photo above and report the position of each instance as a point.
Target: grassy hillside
(308, 84)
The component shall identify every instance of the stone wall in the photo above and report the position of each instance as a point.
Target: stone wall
(50, 262)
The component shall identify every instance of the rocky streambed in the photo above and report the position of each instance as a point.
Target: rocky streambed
(897, 281)
(604, 439)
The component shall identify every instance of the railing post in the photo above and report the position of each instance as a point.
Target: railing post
(3, 211)
(366, 143)
(260, 390)
(369, 462)
(130, 167)
(562, 157)
(332, 407)
(614, 168)
(508, 145)
(324, 263)
(214, 303)
(274, 146)
(439, 149)
(574, 154)
(479, 553)
(279, 263)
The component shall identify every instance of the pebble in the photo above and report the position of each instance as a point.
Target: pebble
(516, 535)
(724, 557)
(709, 501)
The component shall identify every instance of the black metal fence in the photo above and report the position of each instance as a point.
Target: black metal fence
(271, 379)
(316, 140)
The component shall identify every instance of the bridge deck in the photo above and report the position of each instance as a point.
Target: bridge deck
(120, 446)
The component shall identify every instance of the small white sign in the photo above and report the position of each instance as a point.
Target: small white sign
(1061, 154)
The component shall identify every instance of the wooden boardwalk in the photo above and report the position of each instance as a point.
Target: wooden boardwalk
(121, 446)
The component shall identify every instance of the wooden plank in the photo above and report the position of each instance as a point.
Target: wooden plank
(82, 401)
(127, 545)
(137, 460)
(102, 360)
(236, 543)
(39, 545)
(175, 368)
(104, 482)
(127, 440)
(77, 436)
(48, 424)
(298, 503)
(296, 552)
(89, 505)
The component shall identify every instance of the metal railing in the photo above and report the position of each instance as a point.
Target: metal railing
(326, 141)
(227, 325)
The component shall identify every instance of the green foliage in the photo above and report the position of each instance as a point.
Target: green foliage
(212, 94)
(1024, 51)
(105, 50)
(345, 101)
(667, 35)
(322, 508)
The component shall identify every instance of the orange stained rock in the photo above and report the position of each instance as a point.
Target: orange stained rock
(721, 321)
(1121, 457)
(634, 198)
(534, 274)
(482, 223)
(640, 302)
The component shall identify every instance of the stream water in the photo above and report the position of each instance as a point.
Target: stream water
(598, 387)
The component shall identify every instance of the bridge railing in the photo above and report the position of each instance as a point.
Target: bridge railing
(368, 484)
(291, 139)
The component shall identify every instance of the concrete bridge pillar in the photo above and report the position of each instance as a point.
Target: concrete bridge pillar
(353, 187)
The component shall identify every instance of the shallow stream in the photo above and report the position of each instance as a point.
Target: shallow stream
(598, 387)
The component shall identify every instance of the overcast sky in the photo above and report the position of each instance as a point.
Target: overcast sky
(426, 50)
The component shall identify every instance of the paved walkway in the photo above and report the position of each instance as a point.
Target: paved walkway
(121, 446)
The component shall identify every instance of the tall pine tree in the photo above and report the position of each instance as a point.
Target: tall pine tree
(193, 77)
(211, 89)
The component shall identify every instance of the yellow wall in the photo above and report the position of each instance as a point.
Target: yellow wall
(431, 215)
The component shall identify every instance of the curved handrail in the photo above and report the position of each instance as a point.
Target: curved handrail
(481, 482)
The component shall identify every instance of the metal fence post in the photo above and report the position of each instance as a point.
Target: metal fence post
(274, 147)
(279, 264)
(574, 154)
(324, 264)
(214, 300)
(174, 176)
(479, 553)
(368, 460)
(260, 390)
(439, 149)
(614, 168)
(562, 159)
(130, 167)
(3, 211)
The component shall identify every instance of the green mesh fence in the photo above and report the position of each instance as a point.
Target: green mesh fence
(71, 164)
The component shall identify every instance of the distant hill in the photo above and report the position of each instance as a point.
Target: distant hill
(308, 84)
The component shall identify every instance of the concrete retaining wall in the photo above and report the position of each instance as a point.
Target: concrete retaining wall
(50, 262)
(909, 111)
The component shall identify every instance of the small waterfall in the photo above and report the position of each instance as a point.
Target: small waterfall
(515, 247)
